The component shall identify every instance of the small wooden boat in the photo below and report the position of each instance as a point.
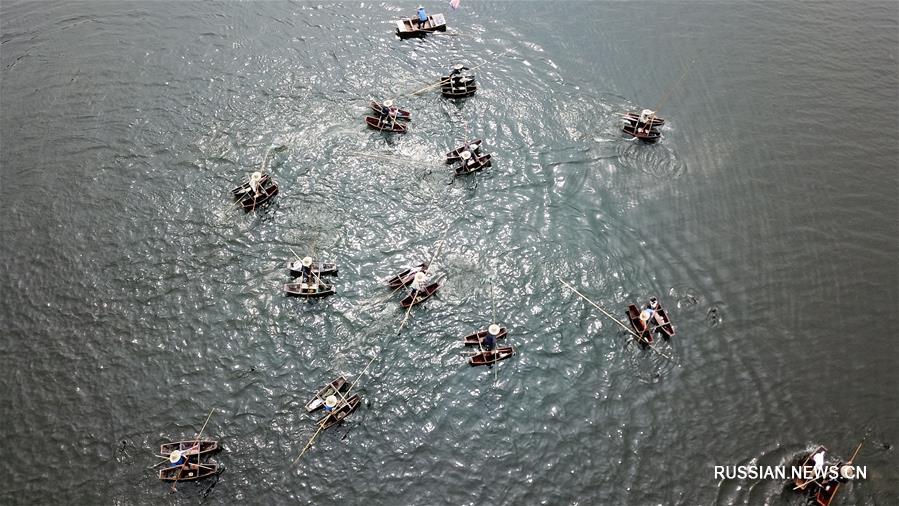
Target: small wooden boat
(822, 492)
(342, 411)
(251, 201)
(634, 118)
(400, 113)
(189, 447)
(405, 277)
(408, 27)
(476, 164)
(318, 269)
(189, 472)
(649, 136)
(395, 127)
(633, 314)
(239, 191)
(478, 337)
(491, 357)
(333, 388)
(661, 319)
(309, 291)
(423, 295)
(472, 146)
(467, 89)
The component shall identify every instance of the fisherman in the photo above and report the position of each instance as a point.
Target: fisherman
(176, 458)
(645, 315)
(388, 115)
(490, 338)
(818, 459)
(457, 70)
(255, 180)
(467, 160)
(653, 303)
(306, 269)
(457, 75)
(418, 284)
(646, 117)
(422, 17)
(330, 403)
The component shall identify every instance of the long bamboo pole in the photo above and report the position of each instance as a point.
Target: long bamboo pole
(187, 459)
(638, 337)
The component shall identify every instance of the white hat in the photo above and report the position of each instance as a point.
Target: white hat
(647, 112)
(458, 66)
(465, 155)
(256, 176)
(175, 456)
(420, 276)
(644, 315)
(307, 261)
(388, 103)
(847, 471)
(331, 401)
(493, 329)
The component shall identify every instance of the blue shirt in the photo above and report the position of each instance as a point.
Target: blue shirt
(421, 15)
(489, 341)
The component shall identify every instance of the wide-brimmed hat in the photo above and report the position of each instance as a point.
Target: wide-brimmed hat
(175, 456)
(465, 155)
(644, 316)
(420, 276)
(388, 103)
(493, 329)
(307, 261)
(331, 401)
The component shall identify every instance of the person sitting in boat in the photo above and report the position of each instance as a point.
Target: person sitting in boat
(176, 458)
(645, 315)
(490, 338)
(468, 161)
(306, 269)
(418, 284)
(330, 403)
(653, 304)
(255, 180)
(388, 115)
(458, 70)
(646, 116)
(422, 17)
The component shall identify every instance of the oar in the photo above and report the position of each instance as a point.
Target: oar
(625, 327)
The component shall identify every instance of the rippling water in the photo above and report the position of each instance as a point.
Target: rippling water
(136, 297)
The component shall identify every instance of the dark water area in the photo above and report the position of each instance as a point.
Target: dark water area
(136, 297)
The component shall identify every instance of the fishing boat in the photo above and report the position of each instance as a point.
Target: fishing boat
(309, 291)
(491, 357)
(823, 489)
(318, 269)
(475, 164)
(471, 146)
(465, 88)
(245, 188)
(251, 201)
(400, 113)
(192, 471)
(405, 277)
(395, 127)
(422, 295)
(633, 314)
(647, 135)
(643, 118)
(660, 318)
(477, 338)
(189, 447)
(408, 27)
(342, 411)
(339, 385)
